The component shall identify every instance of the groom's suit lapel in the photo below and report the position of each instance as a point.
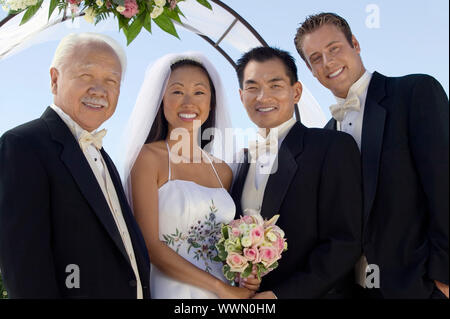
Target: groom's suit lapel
(238, 185)
(78, 166)
(279, 182)
(372, 139)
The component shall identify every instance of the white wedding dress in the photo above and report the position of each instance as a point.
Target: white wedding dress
(190, 218)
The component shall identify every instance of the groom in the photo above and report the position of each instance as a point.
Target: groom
(313, 182)
(66, 230)
(401, 126)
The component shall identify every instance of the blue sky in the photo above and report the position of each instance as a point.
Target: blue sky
(412, 37)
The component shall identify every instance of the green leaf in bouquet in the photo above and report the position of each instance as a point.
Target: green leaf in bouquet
(53, 5)
(247, 271)
(274, 265)
(217, 258)
(166, 24)
(205, 3)
(31, 11)
(228, 273)
(221, 252)
(224, 230)
(223, 255)
(260, 268)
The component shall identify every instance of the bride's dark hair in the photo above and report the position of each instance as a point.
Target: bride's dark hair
(160, 127)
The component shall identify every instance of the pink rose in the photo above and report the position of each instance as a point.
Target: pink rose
(247, 219)
(74, 1)
(279, 244)
(252, 254)
(236, 223)
(277, 230)
(269, 255)
(235, 232)
(237, 262)
(257, 235)
(131, 9)
(173, 4)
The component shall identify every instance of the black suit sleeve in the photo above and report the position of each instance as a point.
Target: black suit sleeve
(429, 143)
(339, 224)
(26, 259)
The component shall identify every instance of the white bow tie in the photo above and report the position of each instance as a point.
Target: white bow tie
(260, 148)
(87, 139)
(339, 110)
(263, 153)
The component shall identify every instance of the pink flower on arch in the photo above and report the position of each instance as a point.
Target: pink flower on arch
(131, 9)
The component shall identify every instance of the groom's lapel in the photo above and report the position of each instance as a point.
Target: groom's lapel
(331, 125)
(238, 185)
(372, 139)
(279, 182)
(79, 168)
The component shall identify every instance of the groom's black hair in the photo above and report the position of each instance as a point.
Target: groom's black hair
(160, 127)
(263, 54)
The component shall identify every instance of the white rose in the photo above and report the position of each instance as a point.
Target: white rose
(271, 236)
(120, 9)
(160, 3)
(243, 228)
(246, 241)
(89, 15)
(157, 11)
(99, 3)
(19, 5)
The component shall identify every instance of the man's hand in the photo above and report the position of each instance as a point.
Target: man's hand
(265, 295)
(442, 287)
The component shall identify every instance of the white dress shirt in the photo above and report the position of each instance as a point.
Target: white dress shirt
(353, 120)
(100, 170)
(260, 169)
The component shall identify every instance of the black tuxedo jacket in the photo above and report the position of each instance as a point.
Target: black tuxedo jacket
(54, 214)
(317, 192)
(404, 153)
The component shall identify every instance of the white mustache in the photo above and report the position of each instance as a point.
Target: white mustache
(96, 101)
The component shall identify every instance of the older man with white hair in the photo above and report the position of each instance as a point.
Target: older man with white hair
(66, 230)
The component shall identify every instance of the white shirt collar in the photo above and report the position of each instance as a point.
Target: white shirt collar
(359, 88)
(74, 127)
(283, 130)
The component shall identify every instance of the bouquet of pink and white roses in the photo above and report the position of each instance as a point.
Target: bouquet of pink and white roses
(250, 242)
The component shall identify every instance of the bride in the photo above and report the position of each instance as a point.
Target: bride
(179, 191)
